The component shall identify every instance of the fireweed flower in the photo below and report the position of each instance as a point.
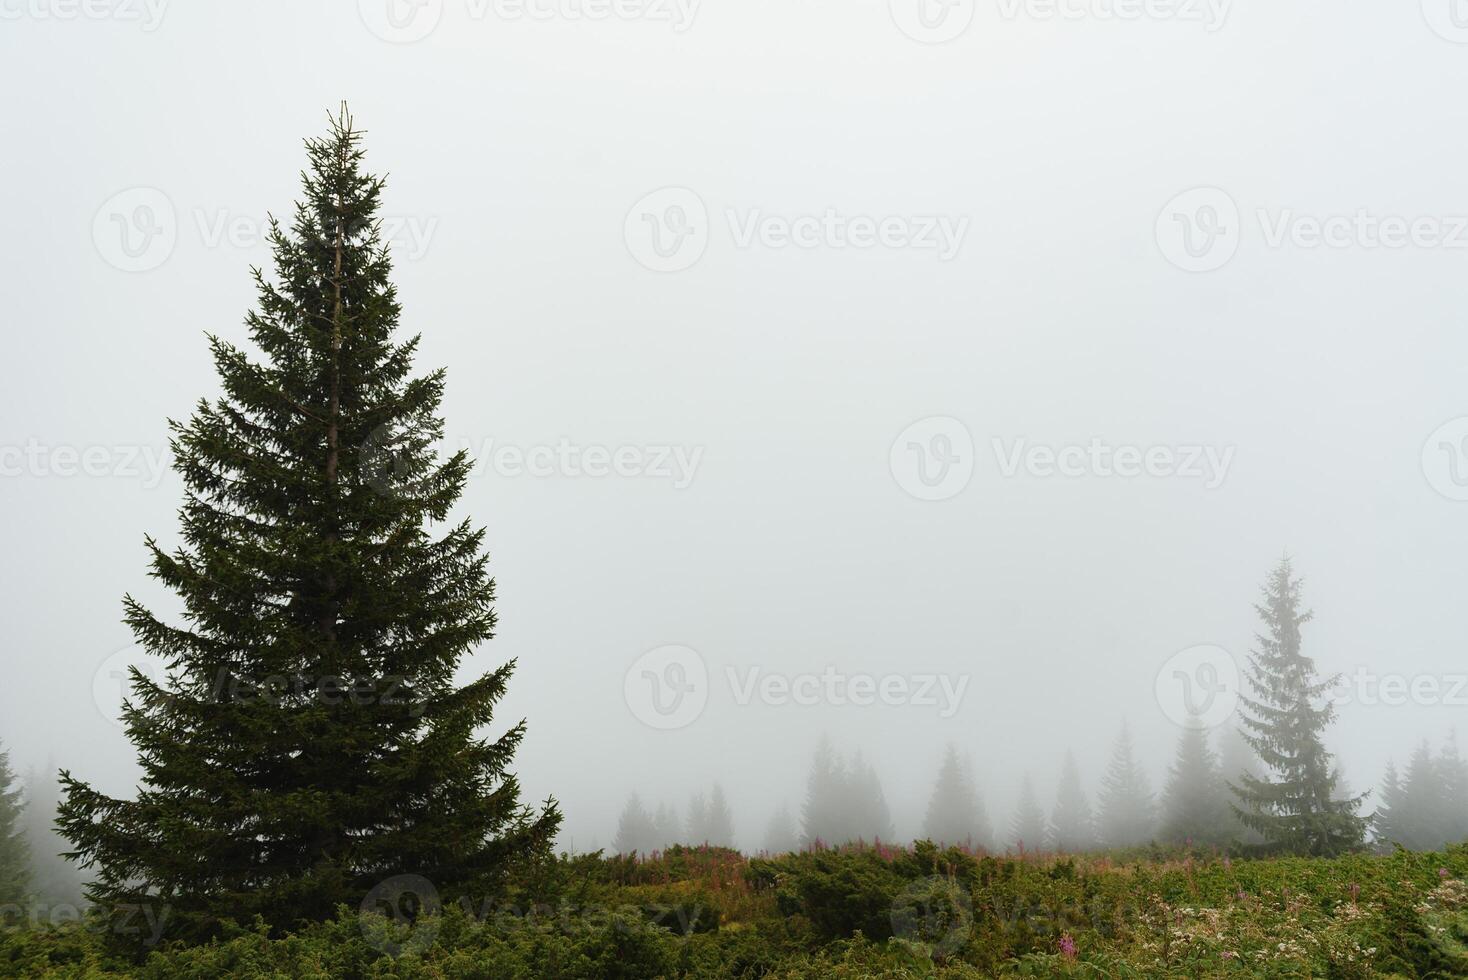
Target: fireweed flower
(1067, 947)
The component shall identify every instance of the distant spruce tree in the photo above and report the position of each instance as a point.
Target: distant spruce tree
(719, 829)
(781, 836)
(1421, 816)
(1295, 808)
(871, 817)
(1126, 809)
(1388, 822)
(1027, 829)
(1235, 761)
(55, 881)
(15, 863)
(709, 819)
(696, 832)
(636, 832)
(666, 829)
(955, 814)
(311, 740)
(1453, 771)
(1195, 805)
(1427, 808)
(1072, 825)
(822, 815)
(844, 801)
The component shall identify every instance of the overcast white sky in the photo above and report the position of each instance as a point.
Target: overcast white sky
(529, 161)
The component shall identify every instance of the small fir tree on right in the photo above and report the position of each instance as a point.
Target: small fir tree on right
(1294, 806)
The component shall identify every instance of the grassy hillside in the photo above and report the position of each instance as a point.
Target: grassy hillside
(863, 912)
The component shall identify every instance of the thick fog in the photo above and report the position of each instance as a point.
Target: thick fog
(903, 374)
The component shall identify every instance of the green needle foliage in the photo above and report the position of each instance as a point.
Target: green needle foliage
(1295, 807)
(310, 740)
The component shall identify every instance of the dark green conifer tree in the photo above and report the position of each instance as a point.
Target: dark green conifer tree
(1295, 807)
(311, 740)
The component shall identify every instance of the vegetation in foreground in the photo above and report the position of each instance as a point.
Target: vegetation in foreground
(854, 912)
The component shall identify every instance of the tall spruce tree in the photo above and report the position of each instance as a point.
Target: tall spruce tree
(1195, 806)
(1126, 809)
(310, 739)
(1296, 807)
(1072, 825)
(15, 864)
